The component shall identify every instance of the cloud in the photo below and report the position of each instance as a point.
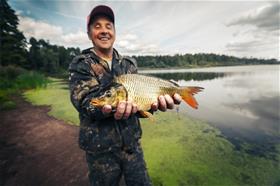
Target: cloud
(132, 44)
(258, 33)
(75, 39)
(38, 29)
(254, 48)
(53, 33)
(265, 17)
(245, 46)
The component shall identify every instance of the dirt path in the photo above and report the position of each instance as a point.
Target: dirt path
(36, 149)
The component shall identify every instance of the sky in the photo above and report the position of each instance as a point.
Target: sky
(238, 28)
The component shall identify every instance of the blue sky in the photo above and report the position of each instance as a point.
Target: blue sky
(249, 28)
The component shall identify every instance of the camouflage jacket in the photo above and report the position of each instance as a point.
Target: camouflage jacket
(88, 77)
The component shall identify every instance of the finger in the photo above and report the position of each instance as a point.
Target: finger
(169, 101)
(134, 108)
(128, 109)
(120, 110)
(177, 99)
(154, 106)
(106, 109)
(162, 103)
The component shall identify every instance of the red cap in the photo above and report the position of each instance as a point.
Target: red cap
(100, 10)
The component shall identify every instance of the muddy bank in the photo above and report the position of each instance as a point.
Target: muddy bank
(36, 149)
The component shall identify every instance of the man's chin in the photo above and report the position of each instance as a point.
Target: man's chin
(105, 49)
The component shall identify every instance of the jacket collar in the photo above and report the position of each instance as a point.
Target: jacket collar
(116, 55)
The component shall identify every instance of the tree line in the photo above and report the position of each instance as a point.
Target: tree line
(40, 55)
(197, 60)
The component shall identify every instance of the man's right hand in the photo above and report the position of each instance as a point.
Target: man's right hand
(123, 110)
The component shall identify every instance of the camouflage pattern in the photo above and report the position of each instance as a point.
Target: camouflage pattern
(108, 168)
(101, 135)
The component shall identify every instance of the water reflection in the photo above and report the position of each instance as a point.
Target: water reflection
(190, 76)
(243, 102)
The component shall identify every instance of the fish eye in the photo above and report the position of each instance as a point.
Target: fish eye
(108, 94)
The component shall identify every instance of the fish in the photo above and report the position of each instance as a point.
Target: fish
(144, 91)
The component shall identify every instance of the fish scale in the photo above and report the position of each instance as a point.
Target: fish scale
(140, 93)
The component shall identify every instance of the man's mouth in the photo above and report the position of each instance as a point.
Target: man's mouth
(104, 38)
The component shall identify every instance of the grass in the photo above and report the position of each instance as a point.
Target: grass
(56, 95)
(178, 150)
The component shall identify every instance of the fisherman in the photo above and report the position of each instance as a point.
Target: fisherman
(111, 139)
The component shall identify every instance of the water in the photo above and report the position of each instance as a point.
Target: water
(241, 101)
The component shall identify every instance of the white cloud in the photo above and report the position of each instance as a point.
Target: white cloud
(53, 33)
(39, 29)
(75, 39)
(131, 44)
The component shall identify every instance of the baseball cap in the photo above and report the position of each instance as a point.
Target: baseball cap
(100, 10)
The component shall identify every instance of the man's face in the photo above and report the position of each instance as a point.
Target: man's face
(102, 34)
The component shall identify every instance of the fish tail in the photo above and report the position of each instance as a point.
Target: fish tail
(187, 94)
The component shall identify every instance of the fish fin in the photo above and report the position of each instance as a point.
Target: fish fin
(145, 114)
(174, 82)
(187, 95)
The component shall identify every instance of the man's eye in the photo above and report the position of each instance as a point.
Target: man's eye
(109, 26)
(97, 26)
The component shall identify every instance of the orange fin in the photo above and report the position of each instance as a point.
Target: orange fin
(147, 114)
(187, 94)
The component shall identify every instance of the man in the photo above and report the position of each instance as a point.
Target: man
(110, 139)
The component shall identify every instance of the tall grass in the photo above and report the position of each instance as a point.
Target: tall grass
(15, 79)
(31, 80)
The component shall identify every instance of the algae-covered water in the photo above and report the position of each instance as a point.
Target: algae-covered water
(241, 101)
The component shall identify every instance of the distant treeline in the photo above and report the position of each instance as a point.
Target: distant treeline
(197, 60)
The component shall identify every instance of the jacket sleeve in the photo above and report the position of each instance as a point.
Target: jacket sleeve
(132, 65)
(84, 86)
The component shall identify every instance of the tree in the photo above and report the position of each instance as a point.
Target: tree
(12, 41)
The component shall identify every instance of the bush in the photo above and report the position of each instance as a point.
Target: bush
(13, 80)
(5, 102)
(8, 74)
(12, 77)
(31, 80)
(11, 72)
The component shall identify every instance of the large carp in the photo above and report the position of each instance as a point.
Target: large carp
(143, 90)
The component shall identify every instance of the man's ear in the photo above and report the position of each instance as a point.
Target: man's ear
(89, 35)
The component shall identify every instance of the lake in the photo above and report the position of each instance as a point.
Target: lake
(243, 102)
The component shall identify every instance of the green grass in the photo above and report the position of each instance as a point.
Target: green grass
(178, 150)
(56, 95)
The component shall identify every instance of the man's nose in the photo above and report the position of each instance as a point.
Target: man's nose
(104, 30)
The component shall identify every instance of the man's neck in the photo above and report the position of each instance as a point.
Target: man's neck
(107, 55)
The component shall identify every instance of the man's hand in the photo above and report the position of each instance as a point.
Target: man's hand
(166, 102)
(123, 110)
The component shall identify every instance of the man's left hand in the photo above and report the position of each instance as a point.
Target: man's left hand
(166, 102)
